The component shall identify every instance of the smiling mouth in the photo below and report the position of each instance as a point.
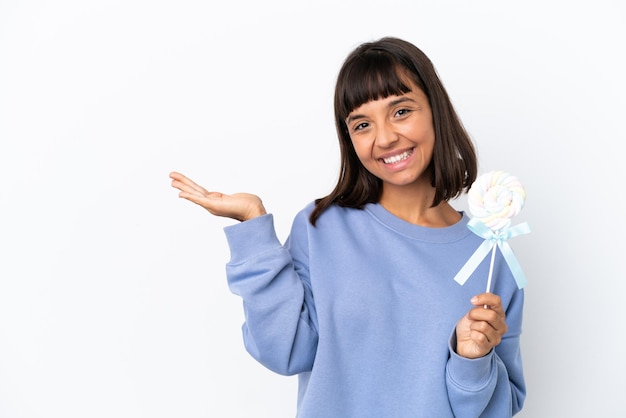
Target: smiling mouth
(397, 158)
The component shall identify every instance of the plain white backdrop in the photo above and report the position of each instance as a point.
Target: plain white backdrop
(113, 298)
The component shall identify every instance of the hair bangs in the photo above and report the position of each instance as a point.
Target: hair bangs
(373, 76)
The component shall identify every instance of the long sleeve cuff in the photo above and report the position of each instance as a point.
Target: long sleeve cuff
(469, 374)
(251, 237)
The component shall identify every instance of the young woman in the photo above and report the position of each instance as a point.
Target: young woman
(360, 301)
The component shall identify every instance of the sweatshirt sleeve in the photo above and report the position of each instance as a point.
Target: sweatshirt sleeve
(493, 385)
(279, 330)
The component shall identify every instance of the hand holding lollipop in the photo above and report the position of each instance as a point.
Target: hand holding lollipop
(494, 198)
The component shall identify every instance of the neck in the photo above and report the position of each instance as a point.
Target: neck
(414, 206)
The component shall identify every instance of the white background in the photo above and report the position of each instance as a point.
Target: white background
(113, 300)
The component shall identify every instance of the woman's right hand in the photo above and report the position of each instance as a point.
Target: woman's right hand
(239, 206)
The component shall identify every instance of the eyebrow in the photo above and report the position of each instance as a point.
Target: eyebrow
(392, 103)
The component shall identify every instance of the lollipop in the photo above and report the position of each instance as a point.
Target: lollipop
(494, 198)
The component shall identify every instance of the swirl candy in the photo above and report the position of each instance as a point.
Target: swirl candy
(495, 197)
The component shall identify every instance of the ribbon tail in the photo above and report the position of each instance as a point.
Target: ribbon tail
(473, 262)
(519, 229)
(514, 265)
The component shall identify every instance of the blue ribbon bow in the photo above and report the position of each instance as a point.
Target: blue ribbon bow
(494, 238)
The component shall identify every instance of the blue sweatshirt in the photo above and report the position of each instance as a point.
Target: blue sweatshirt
(363, 309)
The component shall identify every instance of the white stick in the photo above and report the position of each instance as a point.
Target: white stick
(493, 257)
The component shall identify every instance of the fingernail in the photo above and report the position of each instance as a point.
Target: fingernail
(474, 299)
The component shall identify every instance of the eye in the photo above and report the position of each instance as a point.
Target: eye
(360, 126)
(403, 112)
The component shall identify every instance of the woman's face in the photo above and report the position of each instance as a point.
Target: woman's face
(394, 137)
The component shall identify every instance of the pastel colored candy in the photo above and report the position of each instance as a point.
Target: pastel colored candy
(495, 197)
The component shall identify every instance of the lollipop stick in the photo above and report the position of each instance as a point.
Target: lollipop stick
(493, 256)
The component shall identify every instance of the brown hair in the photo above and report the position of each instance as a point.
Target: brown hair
(375, 70)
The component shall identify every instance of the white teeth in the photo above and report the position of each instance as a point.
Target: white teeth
(399, 157)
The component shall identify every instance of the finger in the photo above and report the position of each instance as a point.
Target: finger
(209, 198)
(487, 323)
(192, 188)
(182, 179)
(485, 336)
(488, 301)
(486, 328)
(483, 315)
(491, 317)
(211, 202)
(175, 174)
(481, 339)
(186, 188)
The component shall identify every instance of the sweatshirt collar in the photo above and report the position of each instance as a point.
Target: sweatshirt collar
(446, 234)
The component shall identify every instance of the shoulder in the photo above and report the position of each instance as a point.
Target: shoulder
(332, 216)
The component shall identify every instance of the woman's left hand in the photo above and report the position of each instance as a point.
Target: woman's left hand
(482, 327)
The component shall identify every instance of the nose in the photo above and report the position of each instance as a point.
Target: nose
(386, 136)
